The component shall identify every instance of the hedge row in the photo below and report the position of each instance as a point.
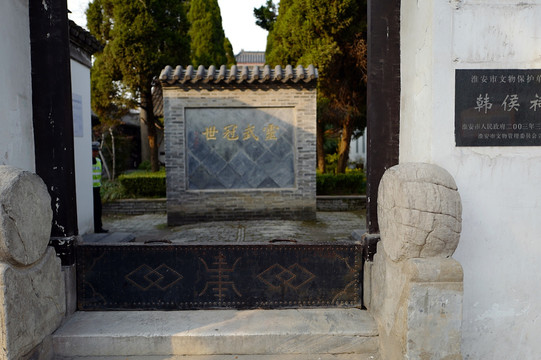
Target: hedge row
(144, 184)
(352, 183)
(148, 184)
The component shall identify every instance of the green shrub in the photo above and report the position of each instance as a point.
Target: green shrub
(112, 190)
(353, 182)
(145, 165)
(331, 163)
(143, 183)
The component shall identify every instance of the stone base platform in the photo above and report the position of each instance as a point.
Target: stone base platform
(326, 334)
(231, 357)
(328, 227)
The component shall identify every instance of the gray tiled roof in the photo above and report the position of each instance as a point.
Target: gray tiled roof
(250, 57)
(237, 75)
(83, 38)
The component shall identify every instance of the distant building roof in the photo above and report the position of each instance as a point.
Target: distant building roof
(250, 58)
(237, 75)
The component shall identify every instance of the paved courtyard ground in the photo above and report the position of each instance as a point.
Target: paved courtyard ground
(328, 227)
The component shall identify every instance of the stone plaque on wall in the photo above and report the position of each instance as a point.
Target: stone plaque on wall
(498, 107)
(240, 148)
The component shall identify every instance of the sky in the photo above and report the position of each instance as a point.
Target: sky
(238, 22)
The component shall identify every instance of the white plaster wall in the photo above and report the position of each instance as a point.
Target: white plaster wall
(16, 135)
(80, 85)
(357, 149)
(500, 186)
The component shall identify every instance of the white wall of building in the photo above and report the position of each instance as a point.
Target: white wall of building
(500, 247)
(82, 124)
(357, 149)
(16, 134)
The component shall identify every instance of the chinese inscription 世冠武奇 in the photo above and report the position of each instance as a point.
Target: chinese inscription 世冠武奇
(231, 132)
(498, 107)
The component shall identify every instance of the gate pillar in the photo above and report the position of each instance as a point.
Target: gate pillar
(383, 100)
(32, 294)
(53, 120)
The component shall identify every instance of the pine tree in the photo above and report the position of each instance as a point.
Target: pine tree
(229, 53)
(330, 35)
(140, 38)
(206, 33)
(266, 15)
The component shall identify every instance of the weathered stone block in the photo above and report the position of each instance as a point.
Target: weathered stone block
(32, 305)
(25, 216)
(419, 212)
(434, 320)
(418, 306)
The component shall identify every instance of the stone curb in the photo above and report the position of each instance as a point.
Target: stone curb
(156, 206)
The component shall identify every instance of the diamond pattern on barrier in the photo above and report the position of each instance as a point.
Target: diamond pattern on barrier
(294, 276)
(162, 277)
(302, 276)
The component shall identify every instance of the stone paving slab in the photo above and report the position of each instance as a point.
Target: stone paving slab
(218, 332)
(328, 227)
(110, 237)
(232, 357)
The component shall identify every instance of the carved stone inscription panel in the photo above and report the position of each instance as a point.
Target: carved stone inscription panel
(240, 148)
(500, 107)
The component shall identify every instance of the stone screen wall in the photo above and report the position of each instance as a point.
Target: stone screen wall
(240, 150)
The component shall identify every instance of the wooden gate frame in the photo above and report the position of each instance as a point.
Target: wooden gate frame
(383, 99)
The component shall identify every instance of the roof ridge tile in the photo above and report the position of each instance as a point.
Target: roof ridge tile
(237, 74)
